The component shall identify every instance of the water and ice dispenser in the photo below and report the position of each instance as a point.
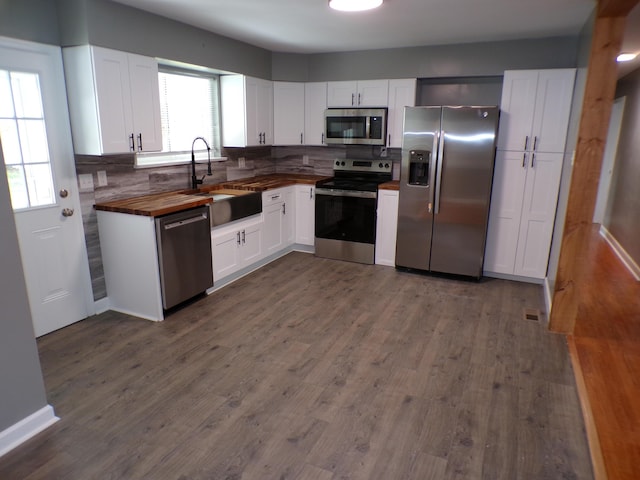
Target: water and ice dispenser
(419, 167)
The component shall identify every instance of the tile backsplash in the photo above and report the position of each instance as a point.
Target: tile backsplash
(124, 180)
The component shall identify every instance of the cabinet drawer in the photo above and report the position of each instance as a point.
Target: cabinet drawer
(269, 197)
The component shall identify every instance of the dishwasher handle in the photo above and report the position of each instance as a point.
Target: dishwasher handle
(186, 221)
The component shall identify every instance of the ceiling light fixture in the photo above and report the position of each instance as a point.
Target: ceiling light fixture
(626, 57)
(354, 5)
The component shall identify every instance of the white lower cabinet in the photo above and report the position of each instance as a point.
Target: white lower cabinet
(278, 208)
(386, 227)
(236, 246)
(305, 214)
(523, 208)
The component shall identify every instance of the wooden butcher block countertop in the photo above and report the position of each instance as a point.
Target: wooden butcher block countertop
(277, 180)
(392, 185)
(154, 205)
(169, 202)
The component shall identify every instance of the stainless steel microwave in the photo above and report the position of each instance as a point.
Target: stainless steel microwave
(355, 126)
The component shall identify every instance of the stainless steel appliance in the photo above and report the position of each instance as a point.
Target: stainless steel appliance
(346, 210)
(445, 187)
(355, 126)
(184, 254)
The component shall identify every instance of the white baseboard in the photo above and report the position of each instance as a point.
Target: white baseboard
(101, 305)
(621, 253)
(26, 428)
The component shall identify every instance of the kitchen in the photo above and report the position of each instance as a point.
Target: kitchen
(258, 64)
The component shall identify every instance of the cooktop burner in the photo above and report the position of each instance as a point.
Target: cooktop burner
(361, 175)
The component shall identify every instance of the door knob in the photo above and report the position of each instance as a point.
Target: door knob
(67, 212)
(64, 193)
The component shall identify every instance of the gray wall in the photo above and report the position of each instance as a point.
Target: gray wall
(623, 207)
(112, 25)
(469, 59)
(572, 140)
(21, 387)
(34, 20)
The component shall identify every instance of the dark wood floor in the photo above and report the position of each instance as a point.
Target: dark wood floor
(606, 348)
(315, 369)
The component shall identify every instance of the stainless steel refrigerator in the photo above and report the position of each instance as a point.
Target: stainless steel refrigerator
(446, 173)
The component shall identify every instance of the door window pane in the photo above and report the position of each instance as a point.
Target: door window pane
(6, 102)
(24, 140)
(17, 186)
(33, 139)
(10, 142)
(26, 95)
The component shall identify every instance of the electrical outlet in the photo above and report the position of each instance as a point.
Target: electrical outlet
(86, 182)
(305, 159)
(102, 178)
(242, 162)
(383, 152)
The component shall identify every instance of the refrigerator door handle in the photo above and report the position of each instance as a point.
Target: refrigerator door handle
(432, 171)
(439, 172)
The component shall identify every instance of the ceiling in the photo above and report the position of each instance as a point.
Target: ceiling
(310, 26)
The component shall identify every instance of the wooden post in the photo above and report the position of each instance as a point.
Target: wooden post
(592, 134)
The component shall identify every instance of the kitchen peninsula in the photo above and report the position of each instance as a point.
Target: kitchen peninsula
(239, 245)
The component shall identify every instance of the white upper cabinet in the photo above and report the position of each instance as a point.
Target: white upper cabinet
(114, 101)
(288, 113)
(363, 93)
(247, 111)
(315, 103)
(535, 110)
(402, 93)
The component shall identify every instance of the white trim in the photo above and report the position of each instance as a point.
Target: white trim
(548, 296)
(102, 305)
(621, 253)
(26, 428)
(515, 278)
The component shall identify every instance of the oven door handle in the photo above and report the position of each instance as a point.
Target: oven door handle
(345, 193)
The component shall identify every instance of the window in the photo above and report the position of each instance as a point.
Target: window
(189, 108)
(24, 140)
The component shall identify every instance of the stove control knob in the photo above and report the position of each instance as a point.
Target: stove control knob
(386, 165)
(338, 163)
(343, 164)
(380, 165)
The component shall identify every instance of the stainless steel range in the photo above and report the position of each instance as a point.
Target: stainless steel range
(346, 210)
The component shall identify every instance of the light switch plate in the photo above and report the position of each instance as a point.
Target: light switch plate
(305, 159)
(102, 178)
(85, 180)
(241, 162)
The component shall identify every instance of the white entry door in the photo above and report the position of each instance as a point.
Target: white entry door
(39, 164)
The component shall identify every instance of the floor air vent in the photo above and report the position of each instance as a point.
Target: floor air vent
(531, 314)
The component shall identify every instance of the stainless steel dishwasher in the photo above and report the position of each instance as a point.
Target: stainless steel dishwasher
(184, 254)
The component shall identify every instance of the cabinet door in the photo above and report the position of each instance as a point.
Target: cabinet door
(226, 253)
(517, 108)
(251, 239)
(145, 101)
(386, 227)
(305, 214)
(253, 135)
(315, 103)
(265, 111)
(373, 93)
(509, 178)
(111, 76)
(538, 214)
(273, 229)
(288, 113)
(554, 94)
(342, 94)
(402, 93)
